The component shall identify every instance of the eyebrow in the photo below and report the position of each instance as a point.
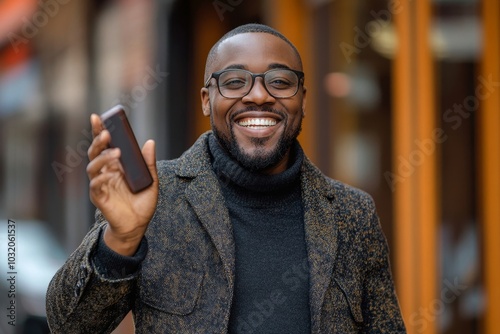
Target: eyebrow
(243, 67)
(235, 67)
(278, 65)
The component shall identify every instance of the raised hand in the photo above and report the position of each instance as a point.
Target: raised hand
(128, 214)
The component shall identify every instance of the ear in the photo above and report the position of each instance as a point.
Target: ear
(205, 101)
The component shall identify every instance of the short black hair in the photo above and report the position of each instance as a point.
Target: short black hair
(246, 28)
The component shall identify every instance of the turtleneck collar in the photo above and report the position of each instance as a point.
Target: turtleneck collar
(228, 169)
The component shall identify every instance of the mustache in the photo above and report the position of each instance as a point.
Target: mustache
(259, 108)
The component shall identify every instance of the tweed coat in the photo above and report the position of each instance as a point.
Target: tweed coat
(186, 282)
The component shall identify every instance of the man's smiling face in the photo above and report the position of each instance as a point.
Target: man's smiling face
(257, 129)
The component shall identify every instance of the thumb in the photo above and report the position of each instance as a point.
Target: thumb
(149, 154)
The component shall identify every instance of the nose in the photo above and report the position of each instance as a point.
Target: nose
(258, 94)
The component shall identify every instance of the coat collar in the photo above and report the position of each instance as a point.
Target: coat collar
(320, 218)
(196, 160)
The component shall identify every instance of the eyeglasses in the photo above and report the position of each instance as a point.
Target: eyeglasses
(280, 83)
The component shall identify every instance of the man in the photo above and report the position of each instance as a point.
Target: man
(241, 234)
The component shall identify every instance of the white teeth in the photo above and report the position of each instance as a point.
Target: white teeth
(258, 122)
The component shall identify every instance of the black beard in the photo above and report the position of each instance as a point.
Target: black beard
(260, 161)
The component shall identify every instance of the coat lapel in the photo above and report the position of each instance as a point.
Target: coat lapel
(204, 195)
(207, 201)
(321, 236)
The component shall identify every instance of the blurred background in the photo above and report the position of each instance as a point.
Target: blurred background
(403, 102)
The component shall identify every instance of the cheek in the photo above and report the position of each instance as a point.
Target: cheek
(220, 112)
(295, 113)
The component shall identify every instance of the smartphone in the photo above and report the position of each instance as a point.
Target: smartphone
(136, 171)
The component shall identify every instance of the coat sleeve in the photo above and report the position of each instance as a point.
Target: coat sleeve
(83, 298)
(381, 312)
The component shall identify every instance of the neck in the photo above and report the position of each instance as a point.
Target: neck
(279, 177)
(280, 167)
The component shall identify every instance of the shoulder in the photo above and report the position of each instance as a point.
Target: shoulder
(339, 192)
(347, 194)
(167, 167)
(191, 163)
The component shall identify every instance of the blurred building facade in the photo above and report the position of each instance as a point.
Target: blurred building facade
(403, 102)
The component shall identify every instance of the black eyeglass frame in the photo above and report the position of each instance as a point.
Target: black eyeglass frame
(216, 75)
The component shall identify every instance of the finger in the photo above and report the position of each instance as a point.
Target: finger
(113, 166)
(103, 162)
(99, 144)
(98, 185)
(96, 123)
(149, 154)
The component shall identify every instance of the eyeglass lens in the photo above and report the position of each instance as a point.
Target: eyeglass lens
(280, 83)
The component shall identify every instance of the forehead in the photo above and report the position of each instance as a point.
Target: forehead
(256, 52)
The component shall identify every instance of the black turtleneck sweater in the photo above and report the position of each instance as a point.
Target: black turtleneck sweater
(272, 277)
